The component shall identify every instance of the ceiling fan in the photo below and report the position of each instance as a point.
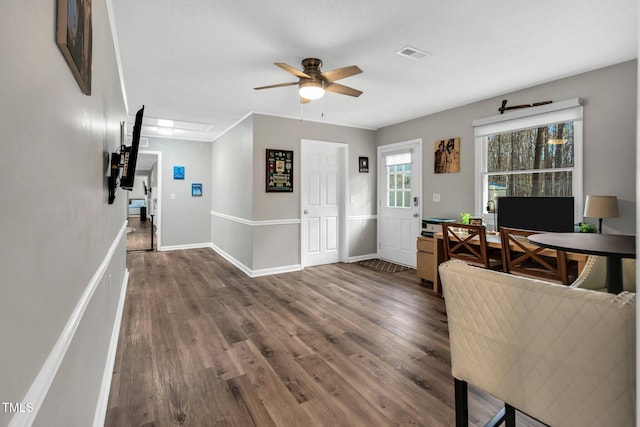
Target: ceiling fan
(313, 83)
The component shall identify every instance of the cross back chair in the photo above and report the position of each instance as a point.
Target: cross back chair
(468, 243)
(520, 257)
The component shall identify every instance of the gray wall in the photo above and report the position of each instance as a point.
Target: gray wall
(239, 191)
(232, 192)
(184, 219)
(610, 104)
(55, 223)
(277, 132)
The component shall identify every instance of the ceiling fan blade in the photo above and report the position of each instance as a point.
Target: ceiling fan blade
(342, 89)
(288, 68)
(278, 85)
(341, 73)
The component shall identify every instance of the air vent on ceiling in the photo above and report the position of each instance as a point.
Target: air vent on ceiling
(412, 52)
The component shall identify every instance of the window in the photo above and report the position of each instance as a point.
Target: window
(533, 152)
(398, 180)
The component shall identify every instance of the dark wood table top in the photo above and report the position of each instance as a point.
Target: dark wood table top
(616, 245)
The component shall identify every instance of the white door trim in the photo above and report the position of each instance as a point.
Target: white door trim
(343, 184)
(158, 218)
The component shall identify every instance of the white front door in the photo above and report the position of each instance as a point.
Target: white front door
(321, 202)
(399, 201)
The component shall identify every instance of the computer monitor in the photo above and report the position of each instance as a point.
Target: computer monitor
(553, 214)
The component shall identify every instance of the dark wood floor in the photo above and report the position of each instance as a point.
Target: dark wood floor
(201, 344)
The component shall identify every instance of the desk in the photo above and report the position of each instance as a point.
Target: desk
(493, 241)
(613, 246)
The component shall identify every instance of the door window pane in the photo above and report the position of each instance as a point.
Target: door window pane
(399, 186)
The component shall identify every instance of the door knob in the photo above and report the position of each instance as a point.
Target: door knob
(415, 215)
(305, 211)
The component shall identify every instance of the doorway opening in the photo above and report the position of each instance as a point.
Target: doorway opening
(143, 204)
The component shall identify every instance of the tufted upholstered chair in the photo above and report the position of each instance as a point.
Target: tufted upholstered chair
(593, 275)
(563, 355)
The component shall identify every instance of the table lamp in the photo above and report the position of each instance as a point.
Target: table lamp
(601, 207)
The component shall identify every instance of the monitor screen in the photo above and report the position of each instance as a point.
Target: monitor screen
(553, 214)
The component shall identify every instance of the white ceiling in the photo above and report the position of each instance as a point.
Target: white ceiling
(198, 61)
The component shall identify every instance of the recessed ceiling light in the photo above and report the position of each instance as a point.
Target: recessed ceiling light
(412, 52)
(165, 123)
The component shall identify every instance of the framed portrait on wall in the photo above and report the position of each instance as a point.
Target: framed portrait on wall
(446, 156)
(279, 168)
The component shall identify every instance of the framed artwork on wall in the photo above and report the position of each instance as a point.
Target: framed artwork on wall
(279, 167)
(178, 172)
(363, 164)
(196, 189)
(74, 38)
(446, 156)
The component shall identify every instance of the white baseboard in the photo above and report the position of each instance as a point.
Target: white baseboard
(183, 247)
(103, 397)
(362, 258)
(246, 270)
(275, 270)
(40, 387)
(254, 273)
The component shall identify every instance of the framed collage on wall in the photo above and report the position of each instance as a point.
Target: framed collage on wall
(279, 168)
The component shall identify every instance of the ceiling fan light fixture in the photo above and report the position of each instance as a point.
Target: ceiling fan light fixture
(311, 90)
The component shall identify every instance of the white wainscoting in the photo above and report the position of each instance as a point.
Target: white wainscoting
(261, 223)
(39, 389)
(282, 269)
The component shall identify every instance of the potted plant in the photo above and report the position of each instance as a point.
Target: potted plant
(585, 227)
(465, 217)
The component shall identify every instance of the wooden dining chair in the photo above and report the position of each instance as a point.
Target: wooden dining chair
(468, 243)
(521, 257)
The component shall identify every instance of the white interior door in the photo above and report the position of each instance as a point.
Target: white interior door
(321, 203)
(399, 201)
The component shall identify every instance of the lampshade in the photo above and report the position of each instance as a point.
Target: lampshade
(601, 207)
(311, 90)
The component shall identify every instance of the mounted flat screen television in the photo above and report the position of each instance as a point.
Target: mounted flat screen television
(130, 154)
(552, 214)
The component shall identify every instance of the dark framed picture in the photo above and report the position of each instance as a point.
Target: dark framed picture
(196, 189)
(446, 156)
(178, 172)
(475, 221)
(279, 166)
(363, 164)
(74, 38)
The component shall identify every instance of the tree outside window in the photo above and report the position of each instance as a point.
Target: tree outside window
(531, 162)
